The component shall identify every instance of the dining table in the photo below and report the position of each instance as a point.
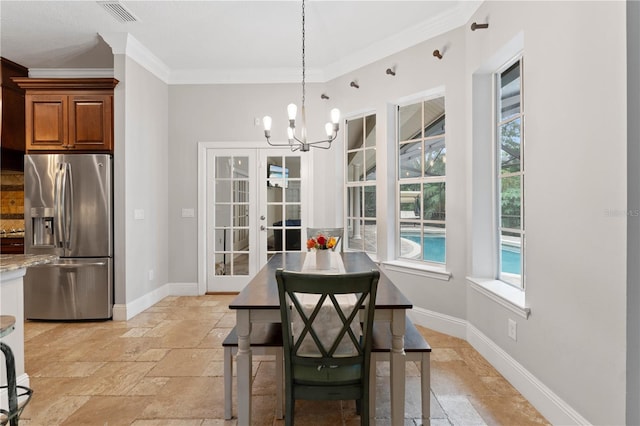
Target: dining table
(259, 302)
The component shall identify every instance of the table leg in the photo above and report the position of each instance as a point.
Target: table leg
(243, 365)
(398, 367)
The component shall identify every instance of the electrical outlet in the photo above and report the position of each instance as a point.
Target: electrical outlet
(513, 329)
(151, 275)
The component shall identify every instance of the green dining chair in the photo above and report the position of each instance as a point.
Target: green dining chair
(338, 233)
(327, 342)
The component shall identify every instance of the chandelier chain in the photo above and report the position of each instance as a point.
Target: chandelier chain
(303, 56)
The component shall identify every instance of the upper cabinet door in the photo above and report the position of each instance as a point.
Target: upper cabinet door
(69, 114)
(90, 122)
(46, 122)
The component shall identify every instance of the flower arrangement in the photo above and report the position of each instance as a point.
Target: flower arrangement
(322, 242)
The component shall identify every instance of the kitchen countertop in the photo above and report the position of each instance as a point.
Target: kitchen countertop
(12, 262)
(11, 234)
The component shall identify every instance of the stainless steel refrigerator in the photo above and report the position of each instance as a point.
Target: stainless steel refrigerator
(69, 212)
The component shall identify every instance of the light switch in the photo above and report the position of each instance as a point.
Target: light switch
(138, 214)
(188, 213)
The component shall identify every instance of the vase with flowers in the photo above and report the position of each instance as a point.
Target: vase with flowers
(323, 246)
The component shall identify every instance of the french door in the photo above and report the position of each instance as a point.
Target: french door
(254, 209)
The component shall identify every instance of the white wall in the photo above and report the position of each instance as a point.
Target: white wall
(574, 342)
(633, 205)
(575, 156)
(141, 166)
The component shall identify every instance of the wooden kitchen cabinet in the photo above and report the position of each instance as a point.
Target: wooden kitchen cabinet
(69, 114)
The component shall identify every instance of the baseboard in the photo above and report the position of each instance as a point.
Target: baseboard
(123, 312)
(440, 322)
(550, 405)
(21, 380)
(183, 289)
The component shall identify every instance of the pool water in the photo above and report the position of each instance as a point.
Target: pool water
(434, 251)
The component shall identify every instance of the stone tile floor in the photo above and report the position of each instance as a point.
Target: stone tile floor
(164, 368)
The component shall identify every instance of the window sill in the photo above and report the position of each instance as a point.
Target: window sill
(428, 271)
(502, 293)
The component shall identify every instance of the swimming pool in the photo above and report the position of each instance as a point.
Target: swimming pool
(435, 251)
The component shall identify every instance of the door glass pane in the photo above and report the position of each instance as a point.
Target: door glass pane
(240, 167)
(356, 234)
(370, 162)
(293, 191)
(223, 216)
(223, 167)
(410, 160)
(223, 191)
(293, 167)
(370, 236)
(241, 264)
(369, 201)
(274, 215)
(284, 211)
(356, 166)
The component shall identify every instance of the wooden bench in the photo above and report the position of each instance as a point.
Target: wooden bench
(266, 339)
(416, 348)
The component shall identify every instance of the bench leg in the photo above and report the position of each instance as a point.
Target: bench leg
(425, 384)
(228, 383)
(372, 389)
(279, 383)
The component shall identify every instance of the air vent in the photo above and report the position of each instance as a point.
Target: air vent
(118, 11)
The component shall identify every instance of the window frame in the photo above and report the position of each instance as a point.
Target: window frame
(360, 185)
(514, 280)
(422, 180)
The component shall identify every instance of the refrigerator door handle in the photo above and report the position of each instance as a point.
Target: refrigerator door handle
(58, 201)
(75, 266)
(68, 208)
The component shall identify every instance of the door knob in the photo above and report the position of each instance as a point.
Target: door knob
(262, 228)
(262, 217)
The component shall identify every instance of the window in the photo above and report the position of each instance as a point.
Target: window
(421, 181)
(510, 173)
(361, 184)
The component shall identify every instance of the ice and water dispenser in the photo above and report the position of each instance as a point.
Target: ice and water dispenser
(42, 222)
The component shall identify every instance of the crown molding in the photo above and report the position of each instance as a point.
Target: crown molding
(126, 44)
(71, 72)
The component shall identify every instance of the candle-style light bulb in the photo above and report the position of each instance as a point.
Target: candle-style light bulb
(329, 129)
(335, 116)
(290, 134)
(266, 121)
(292, 110)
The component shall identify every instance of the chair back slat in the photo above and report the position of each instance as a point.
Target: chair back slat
(293, 286)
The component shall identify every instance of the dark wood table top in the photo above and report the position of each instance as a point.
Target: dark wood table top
(262, 290)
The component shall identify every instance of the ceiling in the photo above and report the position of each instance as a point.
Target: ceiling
(257, 41)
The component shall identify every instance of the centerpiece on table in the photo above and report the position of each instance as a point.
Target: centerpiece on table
(323, 246)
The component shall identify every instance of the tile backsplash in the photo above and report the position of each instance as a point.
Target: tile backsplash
(12, 200)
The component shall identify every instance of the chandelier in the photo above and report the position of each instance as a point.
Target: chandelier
(299, 142)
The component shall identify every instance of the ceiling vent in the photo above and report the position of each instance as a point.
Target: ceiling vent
(118, 11)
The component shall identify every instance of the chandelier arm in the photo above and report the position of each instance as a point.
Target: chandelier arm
(277, 143)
